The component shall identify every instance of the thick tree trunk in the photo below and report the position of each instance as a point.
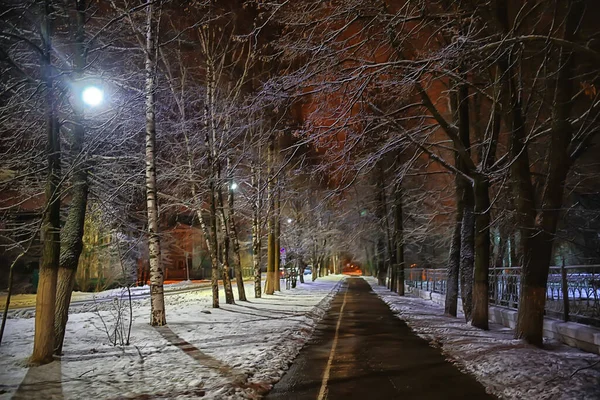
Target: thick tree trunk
(391, 256)
(451, 304)
(229, 299)
(214, 278)
(467, 252)
(212, 252)
(43, 341)
(538, 248)
(399, 240)
(453, 268)
(467, 249)
(228, 288)
(380, 262)
(210, 143)
(369, 261)
(72, 232)
(72, 245)
(482, 254)
(380, 213)
(271, 272)
(157, 301)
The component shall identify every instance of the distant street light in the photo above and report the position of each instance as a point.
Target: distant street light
(92, 96)
(234, 186)
(289, 220)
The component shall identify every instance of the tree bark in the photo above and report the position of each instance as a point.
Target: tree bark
(380, 213)
(72, 232)
(71, 247)
(451, 304)
(468, 222)
(210, 143)
(237, 261)
(277, 232)
(271, 272)
(256, 233)
(399, 239)
(157, 301)
(467, 256)
(538, 248)
(43, 341)
(214, 278)
(229, 299)
(482, 254)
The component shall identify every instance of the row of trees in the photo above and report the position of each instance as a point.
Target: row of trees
(500, 94)
(388, 131)
(183, 98)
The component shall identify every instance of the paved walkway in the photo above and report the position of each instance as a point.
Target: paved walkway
(360, 350)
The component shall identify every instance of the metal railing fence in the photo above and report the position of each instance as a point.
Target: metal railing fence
(573, 292)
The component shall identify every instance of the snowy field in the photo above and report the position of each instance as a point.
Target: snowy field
(508, 368)
(28, 300)
(235, 352)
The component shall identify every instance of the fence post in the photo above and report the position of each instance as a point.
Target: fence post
(496, 286)
(565, 291)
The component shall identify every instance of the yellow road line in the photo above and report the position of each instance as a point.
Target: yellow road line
(323, 391)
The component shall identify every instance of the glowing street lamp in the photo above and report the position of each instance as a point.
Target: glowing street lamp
(234, 186)
(289, 220)
(92, 96)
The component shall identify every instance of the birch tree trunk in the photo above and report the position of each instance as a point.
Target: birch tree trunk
(224, 244)
(237, 261)
(157, 301)
(214, 245)
(72, 232)
(256, 233)
(210, 139)
(43, 340)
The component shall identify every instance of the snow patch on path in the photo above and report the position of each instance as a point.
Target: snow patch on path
(507, 367)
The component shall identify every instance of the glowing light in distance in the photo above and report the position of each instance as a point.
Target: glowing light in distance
(234, 186)
(92, 96)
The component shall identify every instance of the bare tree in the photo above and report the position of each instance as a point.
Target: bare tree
(157, 301)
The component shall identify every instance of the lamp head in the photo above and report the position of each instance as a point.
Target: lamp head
(92, 96)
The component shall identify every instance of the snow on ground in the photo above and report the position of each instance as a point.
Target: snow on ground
(234, 352)
(28, 300)
(507, 367)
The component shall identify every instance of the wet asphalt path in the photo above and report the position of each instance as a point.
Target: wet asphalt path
(373, 356)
